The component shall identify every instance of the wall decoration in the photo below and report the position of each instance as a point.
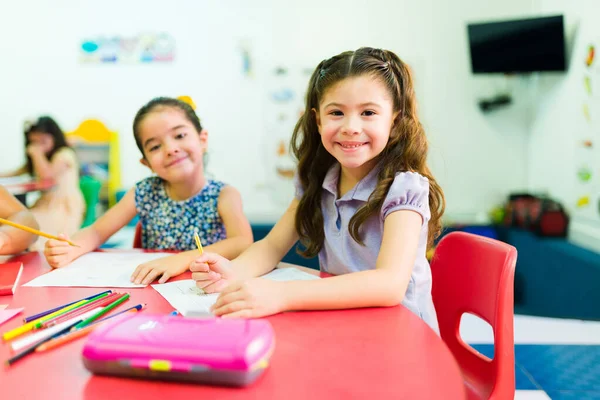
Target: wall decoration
(246, 59)
(143, 48)
(585, 73)
(589, 60)
(583, 201)
(285, 92)
(586, 113)
(587, 83)
(584, 174)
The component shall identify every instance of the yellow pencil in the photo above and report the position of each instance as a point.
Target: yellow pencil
(198, 243)
(34, 231)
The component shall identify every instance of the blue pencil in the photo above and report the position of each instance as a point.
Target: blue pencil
(43, 313)
(138, 307)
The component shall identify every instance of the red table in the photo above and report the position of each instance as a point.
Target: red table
(20, 190)
(379, 353)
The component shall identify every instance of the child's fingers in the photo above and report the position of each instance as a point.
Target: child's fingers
(216, 287)
(245, 313)
(136, 272)
(52, 243)
(55, 251)
(165, 277)
(231, 308)
(151, 276)
(205, 276)
(141, 274)
(199, 266)
(228, 297)
(56, 261)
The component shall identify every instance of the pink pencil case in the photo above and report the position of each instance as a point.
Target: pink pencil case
(232, 352)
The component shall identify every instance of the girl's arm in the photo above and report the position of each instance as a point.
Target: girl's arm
(383, 286)
(14, 240)
(49, 169)
(213, 272)
(59, 253)
(239, 237)
(264, 255)
(239, 233)
(17, 172)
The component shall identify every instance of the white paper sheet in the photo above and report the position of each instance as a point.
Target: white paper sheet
(5, 315)
(190, 301)
(96, 269)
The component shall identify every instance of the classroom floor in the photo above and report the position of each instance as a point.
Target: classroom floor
(554, 358)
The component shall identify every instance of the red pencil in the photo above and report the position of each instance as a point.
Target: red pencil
(81, 310)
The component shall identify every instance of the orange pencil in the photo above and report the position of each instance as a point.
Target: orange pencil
(66, 338)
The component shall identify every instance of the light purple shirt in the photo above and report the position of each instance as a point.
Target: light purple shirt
(341, 254)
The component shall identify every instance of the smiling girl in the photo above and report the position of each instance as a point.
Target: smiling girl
(172, 205)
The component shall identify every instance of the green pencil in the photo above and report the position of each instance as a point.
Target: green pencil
(60, 313)
(101, 312)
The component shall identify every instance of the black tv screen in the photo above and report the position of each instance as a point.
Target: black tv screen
(524, 45)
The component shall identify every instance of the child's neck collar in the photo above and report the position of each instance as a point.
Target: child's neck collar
(184, 190)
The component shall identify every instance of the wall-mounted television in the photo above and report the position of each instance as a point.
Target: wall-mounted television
(518, 46)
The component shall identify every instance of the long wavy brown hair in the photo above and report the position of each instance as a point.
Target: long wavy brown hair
(406, 149)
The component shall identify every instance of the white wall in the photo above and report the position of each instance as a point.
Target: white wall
(555, 148)
(40, 73)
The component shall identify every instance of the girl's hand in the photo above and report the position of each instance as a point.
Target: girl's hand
(167, 267)
(4, 240)
(59, 253)
(33, 148)
(253, 298)
(212, 272)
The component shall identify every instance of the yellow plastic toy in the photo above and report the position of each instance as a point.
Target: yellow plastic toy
(97, 146)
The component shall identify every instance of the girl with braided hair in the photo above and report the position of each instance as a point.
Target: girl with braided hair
(366, 201)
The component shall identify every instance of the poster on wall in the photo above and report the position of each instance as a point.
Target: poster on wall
(284, 105)
(587, 168)
(143, 48)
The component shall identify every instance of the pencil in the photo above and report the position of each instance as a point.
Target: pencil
(95, 303)
(100, 313)
(34, 231)
(69, 337)
(31, 325)
(44, 313)
(32, 348)
(198, 243)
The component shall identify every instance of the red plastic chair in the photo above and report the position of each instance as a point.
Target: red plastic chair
(137, 238)
(474, 274)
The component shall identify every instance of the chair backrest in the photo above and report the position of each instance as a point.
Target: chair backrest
(474, 274)
(137, 238)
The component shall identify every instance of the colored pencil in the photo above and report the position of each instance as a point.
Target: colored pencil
(198, 243)
(70, 336)
(101, 302)
(18, 344)
(32, 348)
(38, 324)
(102, 312)
(30, 325)
(44, 313)
(34, 231)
